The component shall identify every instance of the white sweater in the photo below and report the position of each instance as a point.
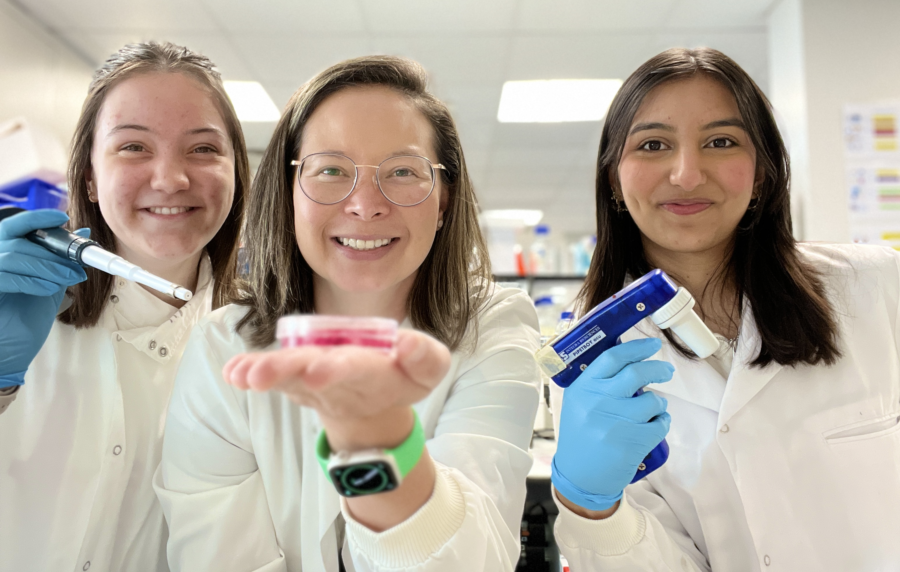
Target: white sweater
(242, 490)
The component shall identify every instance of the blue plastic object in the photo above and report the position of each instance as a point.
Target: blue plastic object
(33, 194)
(601, 328)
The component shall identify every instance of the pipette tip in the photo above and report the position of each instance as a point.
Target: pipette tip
(183, 293)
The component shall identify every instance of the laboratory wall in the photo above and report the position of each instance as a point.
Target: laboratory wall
(41, 78)
(826, 54)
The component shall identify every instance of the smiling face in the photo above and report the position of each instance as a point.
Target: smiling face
(368, 125)
(687, 171)
(162, 168)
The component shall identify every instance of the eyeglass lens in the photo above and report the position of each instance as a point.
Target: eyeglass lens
(328, 179)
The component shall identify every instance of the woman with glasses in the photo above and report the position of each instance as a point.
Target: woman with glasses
(784, 444)
(362, 207)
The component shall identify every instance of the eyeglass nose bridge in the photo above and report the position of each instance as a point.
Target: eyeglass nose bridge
(434, 168)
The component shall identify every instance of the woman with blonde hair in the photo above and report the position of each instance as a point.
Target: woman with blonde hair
(157, 173)
(363, 207)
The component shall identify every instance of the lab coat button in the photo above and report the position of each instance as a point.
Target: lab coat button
(117, 449)
(767, 560)
(152, 344)
(163, 351)
(87, 566)
(114, 298)
(724, 429)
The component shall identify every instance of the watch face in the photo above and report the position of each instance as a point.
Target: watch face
(363, 479)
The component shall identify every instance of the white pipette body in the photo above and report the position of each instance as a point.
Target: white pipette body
(116, 265)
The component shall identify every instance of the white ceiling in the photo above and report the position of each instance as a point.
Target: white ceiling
(470, 47)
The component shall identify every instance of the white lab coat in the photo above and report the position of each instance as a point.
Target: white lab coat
(242, 490)
(780, 468)
(79, 446)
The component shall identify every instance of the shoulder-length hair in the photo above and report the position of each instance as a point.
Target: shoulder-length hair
(786, 294)
(89, 298)
(452, 283)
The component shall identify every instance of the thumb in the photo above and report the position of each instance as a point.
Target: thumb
(424, 359)
(83, 232)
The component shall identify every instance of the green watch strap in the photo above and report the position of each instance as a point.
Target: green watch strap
(407, 453)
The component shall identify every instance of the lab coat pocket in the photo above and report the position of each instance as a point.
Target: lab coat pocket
(864, 430)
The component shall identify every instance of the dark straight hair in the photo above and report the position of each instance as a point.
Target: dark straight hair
(89, 298)
(786, 294)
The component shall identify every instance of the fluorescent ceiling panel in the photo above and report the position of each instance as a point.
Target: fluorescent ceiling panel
(556, 100)
(511, 217)
(251, 101)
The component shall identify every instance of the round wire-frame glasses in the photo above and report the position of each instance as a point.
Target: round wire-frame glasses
(414, 165)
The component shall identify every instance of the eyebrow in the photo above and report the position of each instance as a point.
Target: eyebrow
(125, 126)
(730, 122)
(407, 151)
(136, 127)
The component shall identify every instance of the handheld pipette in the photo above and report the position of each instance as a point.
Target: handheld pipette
(654, 295)
(86, 252)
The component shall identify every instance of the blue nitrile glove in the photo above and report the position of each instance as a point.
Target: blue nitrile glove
(33, 282)
(604, 431)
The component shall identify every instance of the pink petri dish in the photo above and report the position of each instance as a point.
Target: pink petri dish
(314, 330)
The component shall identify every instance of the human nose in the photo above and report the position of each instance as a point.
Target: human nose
(366, 200)
(687, 172)
(169, 174)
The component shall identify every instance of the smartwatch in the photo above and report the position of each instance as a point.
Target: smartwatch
(371, 471)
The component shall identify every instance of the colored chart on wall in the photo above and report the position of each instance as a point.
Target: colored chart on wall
(872, 160)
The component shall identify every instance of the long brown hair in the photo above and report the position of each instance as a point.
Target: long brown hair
(450, 285)
(786, 294)
(89, 298)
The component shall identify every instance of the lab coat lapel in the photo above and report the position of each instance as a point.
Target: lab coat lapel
(326, 499)
(745, 381)
(694, 380)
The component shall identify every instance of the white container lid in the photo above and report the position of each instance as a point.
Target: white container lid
(679, 315)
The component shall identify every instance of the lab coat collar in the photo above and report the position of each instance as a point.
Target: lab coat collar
(698, 382)
(745, 381)
(135, 308)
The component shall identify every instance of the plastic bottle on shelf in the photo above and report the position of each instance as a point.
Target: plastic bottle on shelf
(582, 252)
(543, 258)
(546, 312)
(565, 322)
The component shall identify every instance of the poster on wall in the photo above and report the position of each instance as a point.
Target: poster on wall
(872, 161)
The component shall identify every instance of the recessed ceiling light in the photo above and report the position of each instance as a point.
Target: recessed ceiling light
(556, 100)
(251, 101)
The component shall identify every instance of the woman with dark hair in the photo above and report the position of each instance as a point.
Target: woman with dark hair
(784, 443)
(362, 206)
(157, 173)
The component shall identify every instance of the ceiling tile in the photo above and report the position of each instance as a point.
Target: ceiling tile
(306, 16)
(578, 56)
(215, 46)
(716, 14)
(593, 14)
(450, 58)
(402, 16)
(118, 17)
(289, 58)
